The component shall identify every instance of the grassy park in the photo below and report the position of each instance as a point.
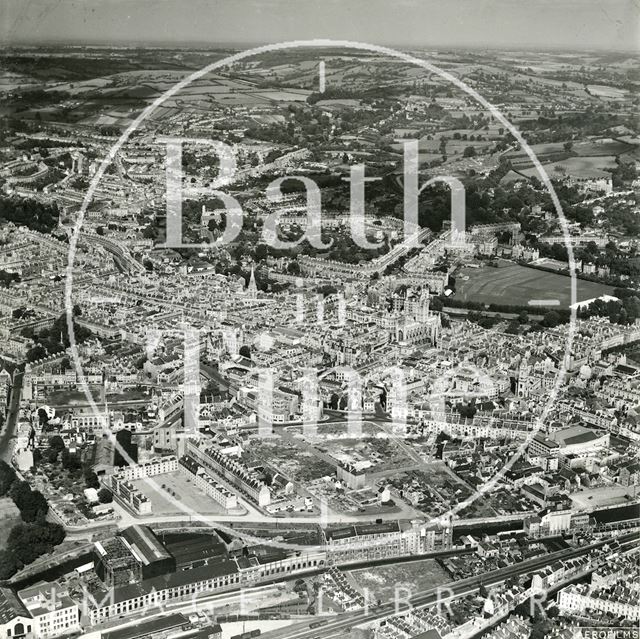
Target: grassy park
(514, 284)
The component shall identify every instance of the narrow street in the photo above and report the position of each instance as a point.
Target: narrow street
(10, 425)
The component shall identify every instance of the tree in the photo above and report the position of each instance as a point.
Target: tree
(551, 319)
(327, 289)
(8, 564)
(70, 461)
(469, 152)
(91, 479)
(30, 213)
(105, 496)
(57, 443)
(51, 455)
(35, 508)
(35, 353)
(513, 328)
(31, 503)
(7, 278)
(293, 268)
(7, 477)
(261, 252)
(29, 541)
(523, 317)
(540, 627)
(245, 351)
(467, 410)
(100, 230)
(18, 491)
(149, 233)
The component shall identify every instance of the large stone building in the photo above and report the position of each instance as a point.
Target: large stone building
(41, 611)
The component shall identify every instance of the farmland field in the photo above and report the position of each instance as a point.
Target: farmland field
(550, 153)
(603, 91)
(287, 96)
(516, 284)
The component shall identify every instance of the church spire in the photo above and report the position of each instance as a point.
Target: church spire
(252, 287)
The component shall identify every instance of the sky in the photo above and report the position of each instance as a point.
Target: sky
(543, 24)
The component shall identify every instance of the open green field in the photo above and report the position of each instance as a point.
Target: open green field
(516, 284)
(581, 167)
(596, 153)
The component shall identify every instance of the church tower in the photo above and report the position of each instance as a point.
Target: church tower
(423, 311)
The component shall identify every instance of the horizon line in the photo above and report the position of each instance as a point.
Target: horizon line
(167, 45)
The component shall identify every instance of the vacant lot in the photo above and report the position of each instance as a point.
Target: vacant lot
(384, 581)
(515, 284)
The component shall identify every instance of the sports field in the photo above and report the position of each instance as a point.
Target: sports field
(516, 284)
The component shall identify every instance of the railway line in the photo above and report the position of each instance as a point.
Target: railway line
(341, 624)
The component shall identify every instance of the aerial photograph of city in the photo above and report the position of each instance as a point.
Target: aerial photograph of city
(319, 319)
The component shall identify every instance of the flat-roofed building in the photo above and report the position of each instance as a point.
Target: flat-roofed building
(567, 441)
